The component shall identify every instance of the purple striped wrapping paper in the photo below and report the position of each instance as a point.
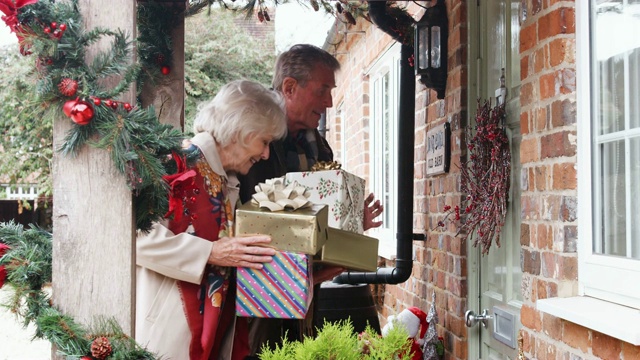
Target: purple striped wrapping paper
(281, 289)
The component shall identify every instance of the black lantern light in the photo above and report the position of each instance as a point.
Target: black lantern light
(432, 32)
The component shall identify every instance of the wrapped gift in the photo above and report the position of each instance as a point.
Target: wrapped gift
(350, 250)
(293, 223)
(341, 191)
(281, 289)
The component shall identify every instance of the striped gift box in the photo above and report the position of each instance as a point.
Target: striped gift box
(281, 289)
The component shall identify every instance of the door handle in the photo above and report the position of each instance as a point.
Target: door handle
(471, 318)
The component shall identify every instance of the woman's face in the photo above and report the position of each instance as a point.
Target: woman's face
(255, 149)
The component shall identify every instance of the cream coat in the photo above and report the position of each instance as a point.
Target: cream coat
(162, 259)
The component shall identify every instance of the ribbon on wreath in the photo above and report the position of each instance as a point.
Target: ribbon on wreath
(275, 196)
(10, 17)
(179, 183)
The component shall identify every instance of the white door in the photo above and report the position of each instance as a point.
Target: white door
(495, 279)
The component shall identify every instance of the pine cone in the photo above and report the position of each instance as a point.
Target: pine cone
(68, 87)
(101, 348)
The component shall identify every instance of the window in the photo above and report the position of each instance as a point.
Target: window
(609, 135)
(384, 80)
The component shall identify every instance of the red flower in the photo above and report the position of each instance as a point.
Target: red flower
(3, 271)
(179, 183)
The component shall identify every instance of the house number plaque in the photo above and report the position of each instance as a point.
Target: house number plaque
(439, 149)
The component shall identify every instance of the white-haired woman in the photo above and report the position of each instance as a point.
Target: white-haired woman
(185, 264)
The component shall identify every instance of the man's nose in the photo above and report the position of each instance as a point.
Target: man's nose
(328, 101)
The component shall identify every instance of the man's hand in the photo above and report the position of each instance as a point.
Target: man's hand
(371, 211)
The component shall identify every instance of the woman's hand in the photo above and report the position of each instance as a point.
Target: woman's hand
(326, 273)
(245, 251)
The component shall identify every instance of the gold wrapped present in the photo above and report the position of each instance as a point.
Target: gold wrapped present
(350, 250)
(303, 230)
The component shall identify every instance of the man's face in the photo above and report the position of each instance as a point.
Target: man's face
(305, 104)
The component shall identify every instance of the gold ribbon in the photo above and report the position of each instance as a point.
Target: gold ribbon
(326, 165)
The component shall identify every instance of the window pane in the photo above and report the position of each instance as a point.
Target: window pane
(634, 88)
(611, 99)
(613, 200)
(635, 195)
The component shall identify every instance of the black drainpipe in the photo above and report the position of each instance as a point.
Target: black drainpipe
(406, 141)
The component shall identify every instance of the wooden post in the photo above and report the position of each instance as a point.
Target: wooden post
(93, 227)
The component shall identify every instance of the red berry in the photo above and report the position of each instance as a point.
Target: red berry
(47, 30)
(108, 103)
(97, 101)
(165, 70)
(447, 207)
(54, 25)
(127, 106)
(57, 33)
(114, 105)
(63, 27)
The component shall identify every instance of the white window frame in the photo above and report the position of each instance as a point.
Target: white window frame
(387, 63)
(609, 278)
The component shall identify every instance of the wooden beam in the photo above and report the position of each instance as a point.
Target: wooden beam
(93, 227)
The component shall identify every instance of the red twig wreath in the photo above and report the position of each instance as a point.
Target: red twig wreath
(485, 179)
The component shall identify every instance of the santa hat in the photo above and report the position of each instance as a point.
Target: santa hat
(421, 319)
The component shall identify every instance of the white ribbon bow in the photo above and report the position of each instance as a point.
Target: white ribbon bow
(274, 196)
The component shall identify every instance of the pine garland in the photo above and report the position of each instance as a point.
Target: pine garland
(28, 268)
(137, 142)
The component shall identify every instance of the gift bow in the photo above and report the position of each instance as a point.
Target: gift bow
(10, 10)
(179, 183)
(326, 165)
(274, 196)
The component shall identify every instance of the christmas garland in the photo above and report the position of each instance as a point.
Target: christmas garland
(485, 179)
(52, 33)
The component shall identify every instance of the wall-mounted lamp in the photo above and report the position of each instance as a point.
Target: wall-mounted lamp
(431, 37)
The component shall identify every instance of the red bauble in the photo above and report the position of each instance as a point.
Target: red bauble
(108, 103)
(47, 30)
(165, 70)
(81, 112)
(114, 105)
(68, 106)
(62, 27)
(68, 87)
(127, 106)
(97, 101)
(54, 25)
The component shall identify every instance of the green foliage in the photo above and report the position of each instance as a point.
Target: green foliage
(218, 51)
(28, 265)
(25, 137)
(338, 341)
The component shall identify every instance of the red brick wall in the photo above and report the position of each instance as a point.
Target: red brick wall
(549, 188)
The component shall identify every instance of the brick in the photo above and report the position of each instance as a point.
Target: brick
(569, 208)
(540, 119)
(529, 150)
(566, 80)
(530, 261)
(606, 347)
(561, 143)
(630, 351)
(544, 239)
(530, 318)
(576, 336)
(527, 94)
(569, 268)
(541, 177)
(524, 234)
(528, 37)
(524, 67)
(570, 243)
(550, 265)
(547, 86)
(563, 113)
(559, 21)
(564, 176)
(539, 60)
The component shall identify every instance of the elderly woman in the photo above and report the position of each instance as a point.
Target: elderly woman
(185, 264)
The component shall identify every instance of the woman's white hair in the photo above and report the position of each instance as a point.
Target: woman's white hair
(241, 108)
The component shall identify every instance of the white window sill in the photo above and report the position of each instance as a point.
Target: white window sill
(615, 320)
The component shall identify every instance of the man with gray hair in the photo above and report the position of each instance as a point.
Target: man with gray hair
(305, 75)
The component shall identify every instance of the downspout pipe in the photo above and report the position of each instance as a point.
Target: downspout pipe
(406, 140)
